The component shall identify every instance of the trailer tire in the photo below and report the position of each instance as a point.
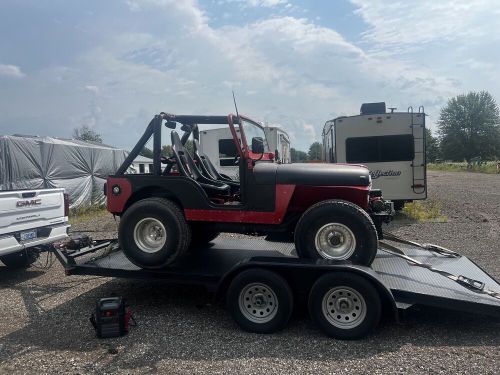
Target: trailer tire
(21, 259)
(344, 305)
(337, 230)
(154, 233)
(260, 301)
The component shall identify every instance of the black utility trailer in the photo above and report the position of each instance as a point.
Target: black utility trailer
(262, 285)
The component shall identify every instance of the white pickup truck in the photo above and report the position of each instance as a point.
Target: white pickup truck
(29, 220)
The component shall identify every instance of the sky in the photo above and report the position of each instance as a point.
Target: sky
(113, 64)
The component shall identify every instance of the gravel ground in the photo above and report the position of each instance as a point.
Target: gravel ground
(44, 314)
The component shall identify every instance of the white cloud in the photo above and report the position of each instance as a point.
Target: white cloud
(165, 55)
(92, 88)
(258, 3)
(395, 22)
(265, 3)
(11, 71)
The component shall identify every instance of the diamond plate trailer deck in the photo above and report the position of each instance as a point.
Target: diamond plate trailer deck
(399, 284)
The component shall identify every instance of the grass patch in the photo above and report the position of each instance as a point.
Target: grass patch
(489, 167)
(428, 211)
(84, 214)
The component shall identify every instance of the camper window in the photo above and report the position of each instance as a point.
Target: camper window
(380, 149)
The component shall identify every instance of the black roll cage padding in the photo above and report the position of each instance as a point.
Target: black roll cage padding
(154, 130)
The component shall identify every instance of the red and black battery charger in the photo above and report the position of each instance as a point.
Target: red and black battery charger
(111, 317)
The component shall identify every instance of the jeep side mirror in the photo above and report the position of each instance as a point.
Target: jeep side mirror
(257, 145)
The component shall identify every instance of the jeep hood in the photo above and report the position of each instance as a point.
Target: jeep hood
(317, 174)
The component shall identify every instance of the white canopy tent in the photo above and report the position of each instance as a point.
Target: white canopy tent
(43, 162)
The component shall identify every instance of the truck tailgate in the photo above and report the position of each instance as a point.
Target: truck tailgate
(22, 209)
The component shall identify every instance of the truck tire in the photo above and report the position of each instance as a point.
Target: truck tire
(21, 259)
(344, 305)
(336, 230)
(260, 301)
(153, 233)
(201, 235)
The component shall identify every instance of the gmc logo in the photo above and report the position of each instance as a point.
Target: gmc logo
(29, 203)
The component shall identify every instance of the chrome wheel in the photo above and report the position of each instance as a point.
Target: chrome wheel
(150, 235)
(258, 303)
(344, 307)
(335, 241)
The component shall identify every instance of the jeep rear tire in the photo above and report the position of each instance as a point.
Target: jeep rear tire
(336, 230)
(154, 233)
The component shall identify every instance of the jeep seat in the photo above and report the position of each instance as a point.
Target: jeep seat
(188, 168)
(209, 170)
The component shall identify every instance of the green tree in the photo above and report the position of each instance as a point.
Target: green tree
(146, 152)
(316, 151)
(297, 156)
(431, 146)
(85, 133)
(469, 127)
(166, 151)
(189, 146)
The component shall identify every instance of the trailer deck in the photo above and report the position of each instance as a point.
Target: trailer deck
(209, 266)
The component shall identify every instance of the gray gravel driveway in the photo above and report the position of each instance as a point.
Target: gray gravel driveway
(44, 325)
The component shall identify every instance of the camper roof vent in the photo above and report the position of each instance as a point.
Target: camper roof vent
(372, 108)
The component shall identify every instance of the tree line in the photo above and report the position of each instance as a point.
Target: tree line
(468, 129)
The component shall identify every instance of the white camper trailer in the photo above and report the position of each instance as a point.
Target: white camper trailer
(279, 143)
(218, 145)
(391, 145)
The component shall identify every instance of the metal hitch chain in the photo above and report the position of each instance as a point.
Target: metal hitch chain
(467, 282)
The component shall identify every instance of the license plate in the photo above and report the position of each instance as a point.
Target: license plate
(29, 235)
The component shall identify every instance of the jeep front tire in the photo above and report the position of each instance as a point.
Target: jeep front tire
(336, 230)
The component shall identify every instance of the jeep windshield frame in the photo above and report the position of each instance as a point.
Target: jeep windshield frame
(248, 129)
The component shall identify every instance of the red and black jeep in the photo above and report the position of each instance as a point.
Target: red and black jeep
(329, 209)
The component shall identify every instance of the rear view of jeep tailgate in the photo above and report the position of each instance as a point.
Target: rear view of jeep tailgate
(31, 217)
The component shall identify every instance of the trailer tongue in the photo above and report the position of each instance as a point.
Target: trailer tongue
(399, 278)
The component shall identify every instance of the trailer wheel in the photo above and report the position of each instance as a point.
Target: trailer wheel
(260, 301)
(21, 259)
(153, 233)
(344, 306)
(336, 230)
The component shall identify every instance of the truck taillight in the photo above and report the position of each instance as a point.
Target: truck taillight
(66, 204)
